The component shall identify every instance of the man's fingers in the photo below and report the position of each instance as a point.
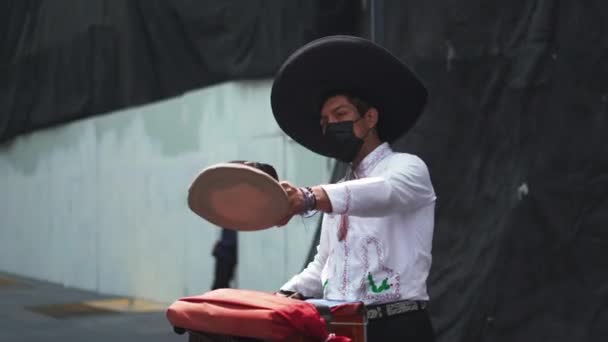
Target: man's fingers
(285, 184)
(296, 296)
(293, 196)
(288, 187)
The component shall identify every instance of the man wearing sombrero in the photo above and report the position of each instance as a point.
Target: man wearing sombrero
(345, 97)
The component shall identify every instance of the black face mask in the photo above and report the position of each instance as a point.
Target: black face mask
(342, 141)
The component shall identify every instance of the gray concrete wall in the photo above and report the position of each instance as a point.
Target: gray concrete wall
(100, 204)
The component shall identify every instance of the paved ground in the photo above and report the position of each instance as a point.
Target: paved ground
(19, 323)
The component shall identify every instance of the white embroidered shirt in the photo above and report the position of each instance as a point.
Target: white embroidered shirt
(389, 210)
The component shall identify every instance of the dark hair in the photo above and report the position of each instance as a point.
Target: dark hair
(356, 100)
(268, 169)
(361, 105)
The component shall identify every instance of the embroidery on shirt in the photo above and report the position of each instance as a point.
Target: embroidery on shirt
(344, 271)
(343, 227)
(348, 199)
(366, 166)
(375, 292)
(377, 289)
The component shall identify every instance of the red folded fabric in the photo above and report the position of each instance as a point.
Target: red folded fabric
(249, 313)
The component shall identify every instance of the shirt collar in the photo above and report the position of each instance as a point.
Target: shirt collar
(372, 159)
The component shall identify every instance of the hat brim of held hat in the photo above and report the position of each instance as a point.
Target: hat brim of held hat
(238, 197)
(344, 63)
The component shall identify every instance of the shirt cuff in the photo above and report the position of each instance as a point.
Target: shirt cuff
(340, 197)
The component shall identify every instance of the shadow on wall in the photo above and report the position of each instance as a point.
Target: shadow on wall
(25, 152)
(174, 126)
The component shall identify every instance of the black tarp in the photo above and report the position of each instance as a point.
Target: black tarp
(512, 134)
(62, 60)
(515, 140)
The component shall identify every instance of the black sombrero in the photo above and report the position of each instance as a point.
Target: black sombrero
(344, 63)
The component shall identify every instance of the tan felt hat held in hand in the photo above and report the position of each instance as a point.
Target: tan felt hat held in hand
(238, 196)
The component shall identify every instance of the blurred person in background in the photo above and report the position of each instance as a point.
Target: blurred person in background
(225, 250)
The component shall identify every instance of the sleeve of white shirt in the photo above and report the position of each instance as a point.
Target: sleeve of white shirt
(405, 185)
(308, 282)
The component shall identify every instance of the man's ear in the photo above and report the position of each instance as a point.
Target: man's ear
(371, 117)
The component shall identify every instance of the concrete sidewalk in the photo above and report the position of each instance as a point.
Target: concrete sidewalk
(19, 298)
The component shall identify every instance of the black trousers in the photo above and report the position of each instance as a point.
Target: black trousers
(414, 326)
(224, 272)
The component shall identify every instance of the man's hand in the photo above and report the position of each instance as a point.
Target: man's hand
(323, 202)
(296, 201)
(294, 295)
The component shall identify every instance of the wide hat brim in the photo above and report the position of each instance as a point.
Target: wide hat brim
(238, 197)
(344, 63)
